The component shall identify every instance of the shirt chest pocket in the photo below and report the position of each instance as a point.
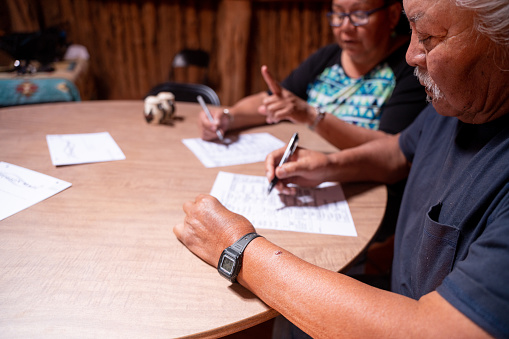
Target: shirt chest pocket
(435, 254)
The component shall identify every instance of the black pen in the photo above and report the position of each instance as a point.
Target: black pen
(292, 146)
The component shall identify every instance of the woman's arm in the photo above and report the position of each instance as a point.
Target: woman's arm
(245, 112)
(241, 115)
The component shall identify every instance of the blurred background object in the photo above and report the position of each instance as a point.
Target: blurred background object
(132, 42)
(196, 59)
(44, 46)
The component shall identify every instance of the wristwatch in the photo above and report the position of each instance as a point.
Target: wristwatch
(230, 261)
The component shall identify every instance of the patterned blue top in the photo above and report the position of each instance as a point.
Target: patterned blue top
(357, 101)
(387, 98)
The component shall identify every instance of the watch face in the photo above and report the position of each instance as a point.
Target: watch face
(227, 264)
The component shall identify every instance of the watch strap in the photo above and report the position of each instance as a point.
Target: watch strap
(232, 257)
(240, 245)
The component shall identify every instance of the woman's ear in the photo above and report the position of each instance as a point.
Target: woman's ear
(395, 12)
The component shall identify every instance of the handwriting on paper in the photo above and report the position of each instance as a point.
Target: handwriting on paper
(21, 188)
(315, 210)
(71, 149)
(248, 148)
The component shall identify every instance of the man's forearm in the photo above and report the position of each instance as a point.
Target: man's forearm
(327, 304)
(344, 135)
(380, 160)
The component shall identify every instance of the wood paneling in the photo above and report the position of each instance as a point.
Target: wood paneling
(132, 42)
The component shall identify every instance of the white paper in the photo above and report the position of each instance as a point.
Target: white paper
(21, 188)
(248, 148)
(70, 149)
(315, 210)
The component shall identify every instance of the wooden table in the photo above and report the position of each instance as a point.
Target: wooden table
(100, 260)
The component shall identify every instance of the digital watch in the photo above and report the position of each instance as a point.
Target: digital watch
(230, 261)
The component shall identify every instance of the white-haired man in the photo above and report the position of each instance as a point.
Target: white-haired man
(451, 264)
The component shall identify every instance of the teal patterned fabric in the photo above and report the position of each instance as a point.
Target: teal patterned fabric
(26, 90)
(357, 101)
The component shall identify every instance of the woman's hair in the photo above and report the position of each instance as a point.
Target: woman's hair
(492, 18)
(403, 27)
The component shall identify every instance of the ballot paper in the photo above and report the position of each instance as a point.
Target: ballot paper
(21, 188)
(315, 210)
(248, 148)
(71, 149)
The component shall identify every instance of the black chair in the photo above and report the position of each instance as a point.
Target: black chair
(187, 92)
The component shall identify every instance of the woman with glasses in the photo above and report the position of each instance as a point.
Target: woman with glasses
(349, 92)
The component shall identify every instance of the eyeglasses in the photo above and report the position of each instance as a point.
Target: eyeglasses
(357, 18)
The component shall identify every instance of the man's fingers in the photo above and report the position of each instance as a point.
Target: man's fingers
(272, 160)
(274, 87)
(178, 229)
(289, 169)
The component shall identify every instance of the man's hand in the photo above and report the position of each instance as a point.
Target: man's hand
(209, 228)
(306, 168)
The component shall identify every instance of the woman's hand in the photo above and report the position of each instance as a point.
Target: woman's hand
(283, 104)
(208, 129)
(209, 228)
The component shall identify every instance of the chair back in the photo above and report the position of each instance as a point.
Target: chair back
(187, 92)
(191, 58)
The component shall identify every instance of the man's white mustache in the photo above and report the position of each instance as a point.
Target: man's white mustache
(430, 85)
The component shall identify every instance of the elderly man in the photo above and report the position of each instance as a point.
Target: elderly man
(451, 265)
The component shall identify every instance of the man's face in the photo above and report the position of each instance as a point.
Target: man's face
(453, 61)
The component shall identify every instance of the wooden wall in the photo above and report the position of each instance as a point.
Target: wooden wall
(132, 42)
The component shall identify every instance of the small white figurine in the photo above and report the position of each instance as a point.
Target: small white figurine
(160, 109)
